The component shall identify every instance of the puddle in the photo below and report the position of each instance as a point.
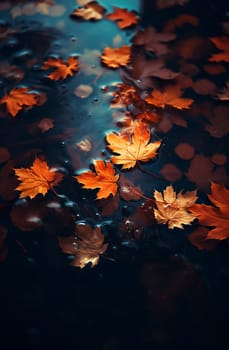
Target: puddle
(147, 279)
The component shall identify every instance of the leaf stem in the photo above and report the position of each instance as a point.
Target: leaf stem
(148, 172)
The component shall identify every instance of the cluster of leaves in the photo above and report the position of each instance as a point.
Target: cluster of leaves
(132, 145)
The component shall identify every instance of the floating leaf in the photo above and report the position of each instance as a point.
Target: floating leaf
(153, 41)
(199, 239)
(90, 11)
(179, 21)
(62, 69)
(39, 178)
(222, 43)
(123, 17)
(116, 57)
(134, 148)
(19, 98)
(216, 215)
(173, 209)
(86, 245)
(103, 178)
(171, 96)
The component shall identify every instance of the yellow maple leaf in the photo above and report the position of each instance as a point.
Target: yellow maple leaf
(86, 245)
(103, 178)
(90, 11)
(134, 148)
(62, 69)
(39, 178)
(18, 98)
(116, 57)
(173, 209)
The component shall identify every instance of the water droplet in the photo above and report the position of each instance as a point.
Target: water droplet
(12, 43)
(23, 55)
(73, 38)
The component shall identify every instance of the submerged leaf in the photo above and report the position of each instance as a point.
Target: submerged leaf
(86, 245)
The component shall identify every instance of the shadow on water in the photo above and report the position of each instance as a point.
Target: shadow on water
(152, 289)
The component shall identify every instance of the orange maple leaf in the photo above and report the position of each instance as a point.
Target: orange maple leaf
(62, 69)
(86, 245)
(173, 209)
(18, 98)
(90, 11)
(123, 17)
(216, 216)
(222, 43)
(115, 57)
(169, 97)
(39, 178)
(103, 178)
(131, 149)
(124, 95)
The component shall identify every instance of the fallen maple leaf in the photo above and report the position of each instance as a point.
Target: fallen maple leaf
(62, 69)
(18, 98)
(103, 178)
(131, 149)
(115, 57)
(199, 239)
(141, 70)
(185, 18)
(216, 216)
(173, 209)
(86, 245)
(222, 43)
(39, 178)
(124, 95)
(90, 11)
(123, 17)
(153, 41)
(171, 97)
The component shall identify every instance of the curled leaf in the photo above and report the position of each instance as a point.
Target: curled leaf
(173, 209)
(92, 10)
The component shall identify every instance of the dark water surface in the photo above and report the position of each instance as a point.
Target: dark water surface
(153, 289)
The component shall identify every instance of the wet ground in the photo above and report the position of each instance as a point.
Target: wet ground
(153, 287)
